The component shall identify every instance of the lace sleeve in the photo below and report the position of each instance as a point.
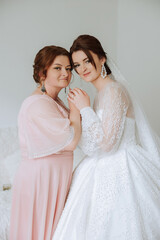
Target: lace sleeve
(104, 134)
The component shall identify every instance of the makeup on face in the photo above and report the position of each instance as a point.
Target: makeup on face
(59, 73)
(84, 67)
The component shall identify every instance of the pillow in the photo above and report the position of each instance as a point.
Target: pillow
(9, 154)
(5, 211)
(4, 175)
(9, 141)
(11, 164)
(8, 168)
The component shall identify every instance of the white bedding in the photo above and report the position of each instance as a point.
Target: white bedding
(9, 161)
(5, 206)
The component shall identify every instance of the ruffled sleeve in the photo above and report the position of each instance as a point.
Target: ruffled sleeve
(104, 134)
(47, 128)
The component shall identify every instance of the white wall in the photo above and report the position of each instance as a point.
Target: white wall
(27, 26)
(128, 29)
(138, 52)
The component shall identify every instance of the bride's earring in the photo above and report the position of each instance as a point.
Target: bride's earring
(43, 89)
(103, 71)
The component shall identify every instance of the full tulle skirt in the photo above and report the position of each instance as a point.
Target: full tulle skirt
(113, 197)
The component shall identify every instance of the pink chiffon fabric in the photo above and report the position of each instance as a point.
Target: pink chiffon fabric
(43, 179)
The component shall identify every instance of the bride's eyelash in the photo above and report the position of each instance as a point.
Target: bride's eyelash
(87, 61)
(69, 69)
(76, 65)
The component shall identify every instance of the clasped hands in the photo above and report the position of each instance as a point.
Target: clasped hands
(79, 98)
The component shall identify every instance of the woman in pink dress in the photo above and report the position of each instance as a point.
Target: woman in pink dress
(48, 135)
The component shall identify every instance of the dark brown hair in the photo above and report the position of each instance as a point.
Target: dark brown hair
(45, 58)
(87, 43)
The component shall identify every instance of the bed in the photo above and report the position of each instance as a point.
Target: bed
(9, 161)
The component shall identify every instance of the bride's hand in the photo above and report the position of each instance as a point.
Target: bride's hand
(79, 98)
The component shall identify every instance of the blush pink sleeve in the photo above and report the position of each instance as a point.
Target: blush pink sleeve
(47, 129)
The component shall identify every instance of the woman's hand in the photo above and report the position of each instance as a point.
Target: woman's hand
(71, 105)
(79, 98)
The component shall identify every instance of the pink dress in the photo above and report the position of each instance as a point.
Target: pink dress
(44, 176)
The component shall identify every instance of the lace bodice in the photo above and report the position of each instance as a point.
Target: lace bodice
(110, 123)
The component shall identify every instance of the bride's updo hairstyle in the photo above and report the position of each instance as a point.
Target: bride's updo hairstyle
(45, 58)
(87, 43)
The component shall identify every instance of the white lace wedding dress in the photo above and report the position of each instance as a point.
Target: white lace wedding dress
(115, 192)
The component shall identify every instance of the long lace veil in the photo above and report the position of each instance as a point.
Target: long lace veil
(145, 136)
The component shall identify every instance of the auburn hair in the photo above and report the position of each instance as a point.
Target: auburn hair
(44, 59)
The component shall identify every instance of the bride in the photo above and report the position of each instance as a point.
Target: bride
(115, 193)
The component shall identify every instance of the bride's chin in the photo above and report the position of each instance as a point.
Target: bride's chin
(88, 79)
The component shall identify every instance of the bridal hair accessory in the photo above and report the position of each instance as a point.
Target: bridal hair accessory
(43, 89)
(103, 72)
